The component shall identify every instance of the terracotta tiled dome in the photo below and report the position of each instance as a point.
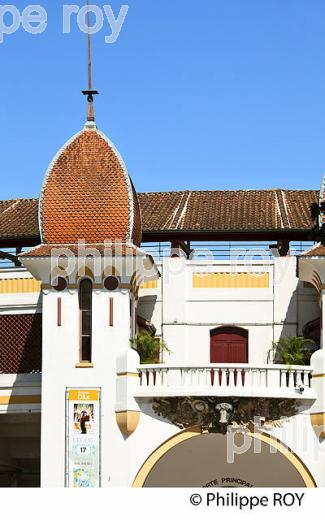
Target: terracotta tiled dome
(88, 195)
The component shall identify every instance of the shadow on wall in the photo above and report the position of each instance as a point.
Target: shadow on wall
(20, 450)
(311, 330)
(146, 306)
(292, 327)
(20, 354)
(290, 323)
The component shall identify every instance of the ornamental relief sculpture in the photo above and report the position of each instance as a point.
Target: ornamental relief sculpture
(215, 414)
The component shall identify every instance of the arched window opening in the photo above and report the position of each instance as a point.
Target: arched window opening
(85, 306)
(228, 345)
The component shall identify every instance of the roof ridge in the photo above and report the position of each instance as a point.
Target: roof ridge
(161, 192)
(269, 190)
(172, 219)
(19, 198)
(278, 213)
(184, 209)
(286, 207)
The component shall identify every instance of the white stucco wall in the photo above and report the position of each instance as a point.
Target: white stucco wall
(60, 356)
(185, 315)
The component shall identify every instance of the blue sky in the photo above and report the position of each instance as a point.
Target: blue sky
(219, 94)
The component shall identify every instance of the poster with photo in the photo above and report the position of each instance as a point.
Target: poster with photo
(83, 418)
(83, 438)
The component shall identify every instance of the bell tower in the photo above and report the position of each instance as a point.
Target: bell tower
(90, 267)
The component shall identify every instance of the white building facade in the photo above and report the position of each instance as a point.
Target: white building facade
(77, 407)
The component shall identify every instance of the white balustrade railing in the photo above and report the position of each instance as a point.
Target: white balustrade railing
(225, 379)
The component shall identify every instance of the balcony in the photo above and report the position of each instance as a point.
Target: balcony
(224, 380)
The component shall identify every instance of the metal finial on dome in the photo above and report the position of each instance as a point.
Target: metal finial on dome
(90, 93)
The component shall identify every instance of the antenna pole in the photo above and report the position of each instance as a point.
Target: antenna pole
(89, 49)
(90, 93)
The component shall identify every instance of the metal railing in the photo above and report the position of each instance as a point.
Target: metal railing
(231, 250)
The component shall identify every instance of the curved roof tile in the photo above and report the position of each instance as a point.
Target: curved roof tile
(88, 195)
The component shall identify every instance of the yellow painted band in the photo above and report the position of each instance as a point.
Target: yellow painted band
(83, 395)
(158, 453)
(148, 465)
(19, 285)
(128, 374)
(223, 280)
(289, 455)
(317, 375)
(318, 419)
(20, 399)
(150, 284)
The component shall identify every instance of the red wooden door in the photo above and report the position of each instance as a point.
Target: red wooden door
(229, 345)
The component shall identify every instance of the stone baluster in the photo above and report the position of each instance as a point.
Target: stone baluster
(249, 377)
(299, 381)
(263, 378)
(291, 379)
(175, 377)
(283, 379)
(164, 376)
(240, 376)
(231, 377)
(307, 378)
(151, 377)
(254, 377)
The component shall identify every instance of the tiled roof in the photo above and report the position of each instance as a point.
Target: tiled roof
(317, 250)
(251, 210)
(19, 218)
(227, 210)
(47, 250)
(87, 194)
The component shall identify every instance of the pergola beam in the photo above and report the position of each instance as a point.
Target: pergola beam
(12, 258)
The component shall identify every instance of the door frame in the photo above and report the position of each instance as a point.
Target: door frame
(234, 329)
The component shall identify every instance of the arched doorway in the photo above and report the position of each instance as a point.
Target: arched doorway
(228, 345)
(192, 459)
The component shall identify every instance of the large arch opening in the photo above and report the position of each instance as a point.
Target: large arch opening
(191, 459)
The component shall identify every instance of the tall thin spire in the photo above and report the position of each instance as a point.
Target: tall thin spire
(89, 50)
(90, 93)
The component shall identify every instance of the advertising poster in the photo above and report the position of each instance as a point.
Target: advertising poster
(83, 438)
